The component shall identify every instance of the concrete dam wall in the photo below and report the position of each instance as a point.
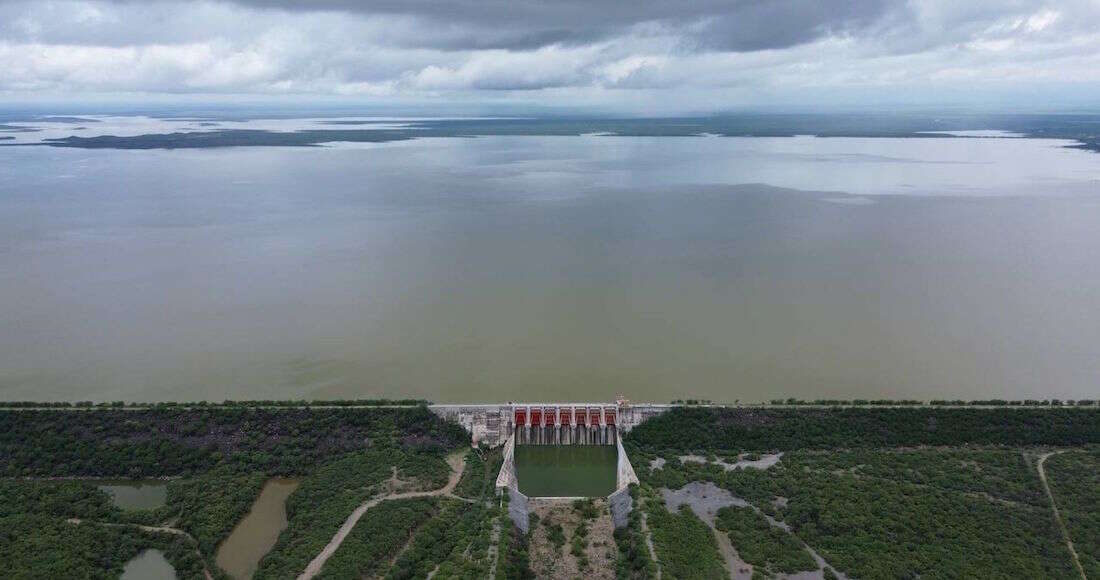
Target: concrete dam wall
(549, 423)
(513, 424)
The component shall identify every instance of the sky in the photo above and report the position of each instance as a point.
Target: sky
(638, 57)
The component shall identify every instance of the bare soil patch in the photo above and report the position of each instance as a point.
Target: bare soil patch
(548, 560)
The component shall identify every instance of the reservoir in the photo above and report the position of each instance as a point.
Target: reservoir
(566, 470)
(240, 554)
(497, 268)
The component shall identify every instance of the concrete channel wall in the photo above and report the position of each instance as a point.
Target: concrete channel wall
(507, 482)
(494, 425)
(624, 470)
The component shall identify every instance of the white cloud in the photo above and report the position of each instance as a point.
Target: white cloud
(79, 48)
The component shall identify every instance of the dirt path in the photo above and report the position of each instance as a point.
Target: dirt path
(649, 544)
(1057, 514)
(705, 499)
(176, 531)
(494, 549)
(738, 569)
(457, 462)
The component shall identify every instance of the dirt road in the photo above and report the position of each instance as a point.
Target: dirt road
(456, 460)
(176, 531)
(1057, 514)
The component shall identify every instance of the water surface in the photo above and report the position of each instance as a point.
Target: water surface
(566, 268)
(136, 494)
(149, 565)
(566, 470)
(240, 554)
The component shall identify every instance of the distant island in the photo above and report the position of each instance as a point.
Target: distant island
(1085, 129)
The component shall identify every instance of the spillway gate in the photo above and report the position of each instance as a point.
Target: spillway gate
(565, 424)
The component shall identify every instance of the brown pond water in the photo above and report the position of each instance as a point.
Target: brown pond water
(240, 553)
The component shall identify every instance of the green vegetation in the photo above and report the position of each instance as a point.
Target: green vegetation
(936, 402)
(586, 508)
(65, 499)
(1001, 473)
(42, 546)
(702, 429)
(578, 544)
(879, 527)
(38, 538)
(635, 562)
(861, 486)
(434, 542)
(479, 477)
(325, 499)
(470, 539)
(1074, 479)
(515, 561)
(207, 508)
(221, 454)
(210, 505)
(178, 441)
(555, 533)
(378, 537)
(874, 529)
(768, 548)
(685, 544)
(209, 404)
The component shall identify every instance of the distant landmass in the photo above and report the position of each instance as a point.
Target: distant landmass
(1085, 129)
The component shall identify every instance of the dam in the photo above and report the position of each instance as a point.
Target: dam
(549, 423)
(564, 425)
(565, 450)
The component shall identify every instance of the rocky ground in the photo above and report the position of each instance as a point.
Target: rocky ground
(572, 553)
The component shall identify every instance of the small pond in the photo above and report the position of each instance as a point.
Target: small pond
(149, 565)
(566, 470)
(133, 494)
(241, 552)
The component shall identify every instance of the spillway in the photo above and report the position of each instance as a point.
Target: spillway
(564, 424)
(493, 424)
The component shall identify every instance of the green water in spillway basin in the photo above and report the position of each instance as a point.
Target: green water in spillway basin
(566, 470)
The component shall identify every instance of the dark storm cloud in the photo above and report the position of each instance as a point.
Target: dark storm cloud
(525, 24)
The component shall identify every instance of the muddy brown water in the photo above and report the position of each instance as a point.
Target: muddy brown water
(582, 267)
(240, 554)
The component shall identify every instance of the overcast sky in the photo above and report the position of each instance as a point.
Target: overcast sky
(636, 56)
